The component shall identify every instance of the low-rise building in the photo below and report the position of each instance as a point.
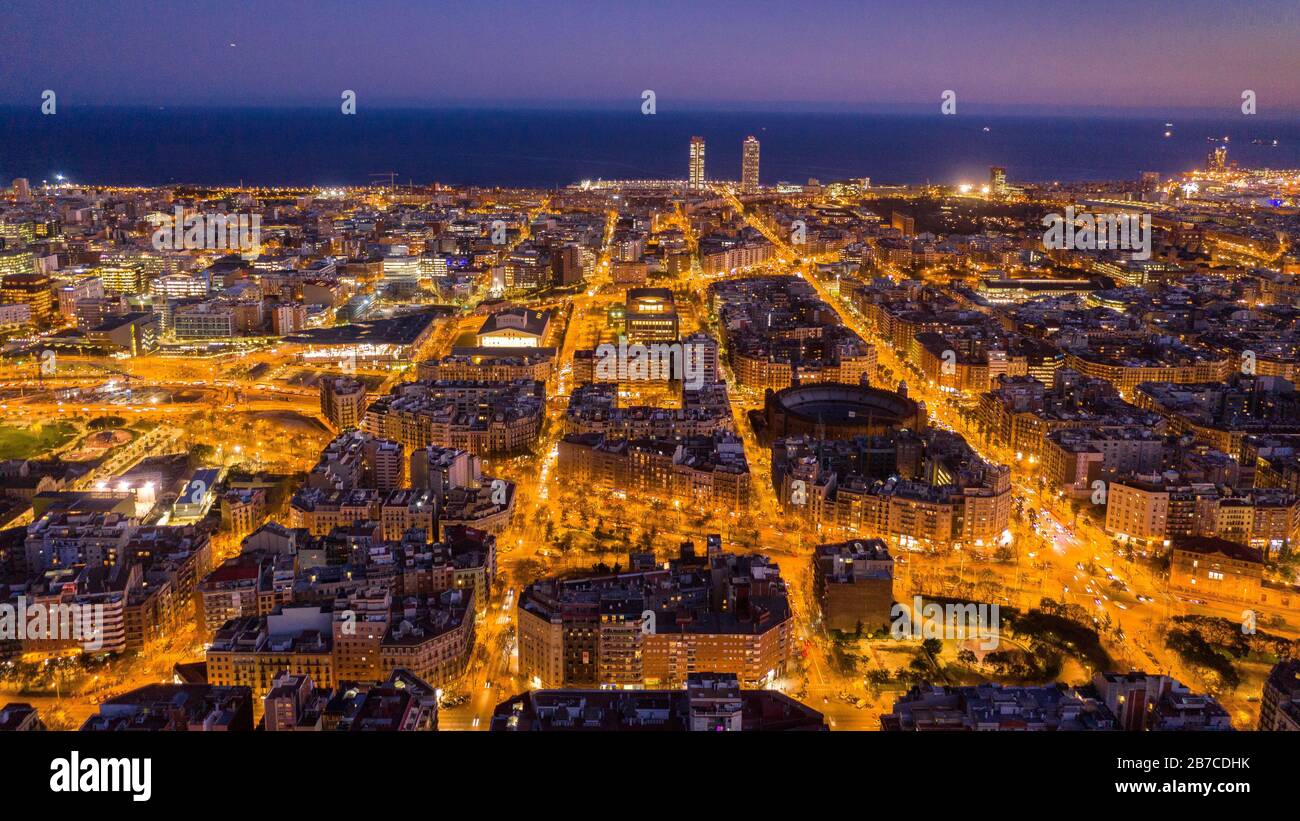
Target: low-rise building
(651, 628)
(243, 509)
(402, 703)
(18, 717)
(996, 707)
(176, 708)
(515, 328)
(1143, 701)
(1279, 706)
(247, 585)
(709, 471)
(431, 636)
(343, 401)
(1212, 568)
(710, 702)
(854, 584)
(485, 418)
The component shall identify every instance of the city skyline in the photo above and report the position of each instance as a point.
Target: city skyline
(912, 379)
(535, 400)
(554, 148)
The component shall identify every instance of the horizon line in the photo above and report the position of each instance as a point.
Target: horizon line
(632, 106)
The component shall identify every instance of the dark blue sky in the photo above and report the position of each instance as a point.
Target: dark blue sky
(1156, 55)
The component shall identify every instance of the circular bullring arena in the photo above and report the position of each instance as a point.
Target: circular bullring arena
(837, 411)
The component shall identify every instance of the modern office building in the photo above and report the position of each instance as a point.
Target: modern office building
(997, 181)
(16, 262)
(70, 293)
(696, 175)
(650, 315)
(14, 315)
(749, 166)
(34, 290)
(134, 334)
(403, 268)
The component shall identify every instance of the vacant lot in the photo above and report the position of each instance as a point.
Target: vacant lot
(27, 442)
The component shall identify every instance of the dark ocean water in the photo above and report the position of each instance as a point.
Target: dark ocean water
(548, 148)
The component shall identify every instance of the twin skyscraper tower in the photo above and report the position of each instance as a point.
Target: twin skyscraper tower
(748, 168)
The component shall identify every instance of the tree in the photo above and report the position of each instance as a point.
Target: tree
(648, 538)
(526, 571)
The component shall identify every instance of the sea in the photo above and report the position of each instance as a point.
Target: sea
(550, 147)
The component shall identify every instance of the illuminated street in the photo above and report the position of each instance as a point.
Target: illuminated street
(602, 370)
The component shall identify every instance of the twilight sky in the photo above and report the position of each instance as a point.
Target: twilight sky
(1154, 54)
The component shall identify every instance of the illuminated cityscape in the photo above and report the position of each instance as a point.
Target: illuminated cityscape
(813, 444)
(609, 450)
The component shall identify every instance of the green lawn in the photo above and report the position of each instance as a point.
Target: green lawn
(28, 442)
